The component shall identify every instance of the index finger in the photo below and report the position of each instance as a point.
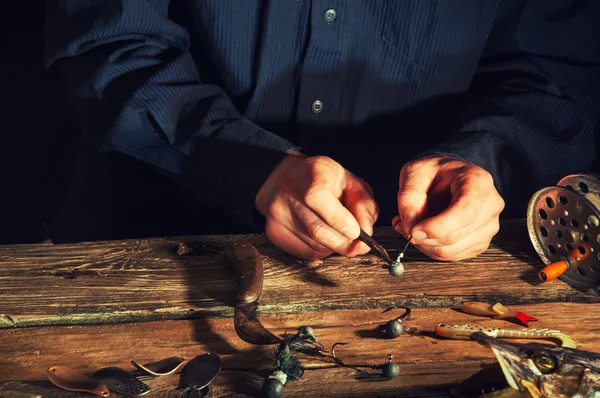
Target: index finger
(414, 183)
(330, 209)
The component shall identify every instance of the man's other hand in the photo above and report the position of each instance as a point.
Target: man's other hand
(449, 206)
(314, 207)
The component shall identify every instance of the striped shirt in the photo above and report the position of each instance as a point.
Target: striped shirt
(212, 93)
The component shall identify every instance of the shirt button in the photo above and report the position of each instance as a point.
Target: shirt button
(330, 15)
(317, 106)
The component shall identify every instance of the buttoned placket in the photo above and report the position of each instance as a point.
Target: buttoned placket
(320, 86)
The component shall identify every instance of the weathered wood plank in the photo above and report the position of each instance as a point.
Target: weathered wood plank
(144, 280)
(429, 365)
(345, 383)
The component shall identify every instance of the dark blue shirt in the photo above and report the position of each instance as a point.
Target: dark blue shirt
(212, 93)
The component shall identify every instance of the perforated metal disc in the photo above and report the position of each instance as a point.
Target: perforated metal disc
(587, 184)
(564, 224)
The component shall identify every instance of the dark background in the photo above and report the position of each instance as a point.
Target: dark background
(39, 133)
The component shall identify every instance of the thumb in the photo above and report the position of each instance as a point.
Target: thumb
(416, 179)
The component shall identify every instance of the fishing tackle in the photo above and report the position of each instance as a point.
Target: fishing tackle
(563, 223)
(464, 332)
(394, 327)
(164, 367)
(305, 333)
(396, 268)
(72, 380)
(496, 311)
(372, 243)
(288, 368)
(288, 364)
(198, 374)
(543, 370)
(389, 369)
(121, 381)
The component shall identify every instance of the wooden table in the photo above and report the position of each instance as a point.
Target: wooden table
(103, 304)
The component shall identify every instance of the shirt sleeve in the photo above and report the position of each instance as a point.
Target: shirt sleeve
(535, 98)
(129, 74)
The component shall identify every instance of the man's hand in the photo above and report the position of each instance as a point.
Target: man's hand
(314, 207)
(450, 207)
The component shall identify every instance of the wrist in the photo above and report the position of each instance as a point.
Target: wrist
(267, 189)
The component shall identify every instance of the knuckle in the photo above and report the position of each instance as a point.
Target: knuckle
(501, 204)
(336, 221)
(313, 195)
(496, 228)
(318, 162)
(375, 217)
(407, 200)
(470, 209)
(314, 160)
(451, 239)
(479, 176)
(316, 246)
(484, 248)
(270, 229)
(479, 249)
(411, 167)
(275, 212)
(484, 176)
(317, 231)
(371, 208)
(442, 252)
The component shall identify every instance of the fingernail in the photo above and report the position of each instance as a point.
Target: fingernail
(418, 235)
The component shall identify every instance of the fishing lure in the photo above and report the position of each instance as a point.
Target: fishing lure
(121, 381)
(164, 367)
(396, 268)
(464, 331)
(394, 327)
(496, 311)
(199, 373)
(389, 370)
(72, 380)
(287, 360)
(288, 368)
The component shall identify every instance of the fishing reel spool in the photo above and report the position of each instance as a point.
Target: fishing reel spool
(563, 222)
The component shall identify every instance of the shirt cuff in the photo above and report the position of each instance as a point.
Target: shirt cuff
(236, 164)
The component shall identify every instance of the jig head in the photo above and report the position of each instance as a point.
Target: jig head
(394, 327)
(389, 369)
(396, 268)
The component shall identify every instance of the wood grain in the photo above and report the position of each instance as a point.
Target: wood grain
(146, 280)
(248, 384)
(429, 365)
